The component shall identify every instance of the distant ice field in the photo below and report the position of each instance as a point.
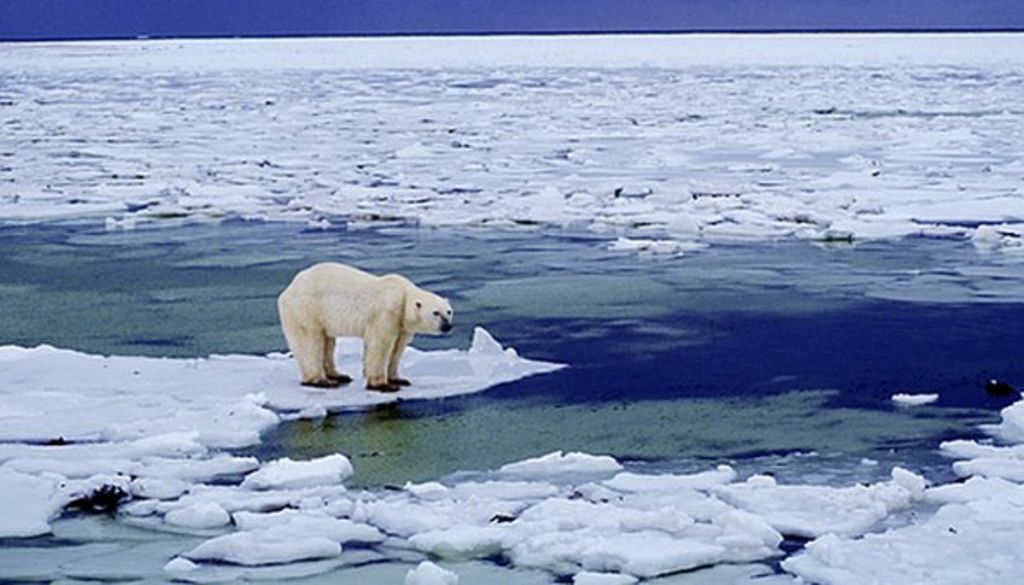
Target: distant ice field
(668, 141)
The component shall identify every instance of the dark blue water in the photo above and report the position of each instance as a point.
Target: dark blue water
(867, 351)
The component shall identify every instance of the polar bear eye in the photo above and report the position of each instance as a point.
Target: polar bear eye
(419, 305)
(437, 313)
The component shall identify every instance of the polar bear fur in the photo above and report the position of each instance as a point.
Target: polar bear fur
(331, 300)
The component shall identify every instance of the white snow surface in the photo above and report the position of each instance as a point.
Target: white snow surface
(667, 142)
(68, 420)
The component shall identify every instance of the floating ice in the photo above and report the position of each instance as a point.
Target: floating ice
(160, 421)
(427, 573)
(559, 463)
(974, 536)
(974, 542)
(591, 578)
(655, 246)
(26, 504)
(763, 137)
(914, 399)
(285, 473)
(203, 515)
(812, 511)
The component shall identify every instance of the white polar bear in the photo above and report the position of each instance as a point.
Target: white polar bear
(330, 300)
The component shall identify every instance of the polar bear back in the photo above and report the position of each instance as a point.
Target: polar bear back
(341, 300)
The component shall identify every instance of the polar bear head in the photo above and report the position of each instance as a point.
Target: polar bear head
(427, 313)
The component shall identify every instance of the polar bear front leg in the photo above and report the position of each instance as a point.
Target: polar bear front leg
(330, 370)
(377, 345)
(396, 356)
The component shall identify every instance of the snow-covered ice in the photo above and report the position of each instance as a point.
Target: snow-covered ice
(665, 143)
(285, 473)
(163, 422)
(428, 573)
(974, 536)
(903, 399)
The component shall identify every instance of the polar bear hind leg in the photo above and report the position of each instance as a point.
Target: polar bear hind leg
(308, 345)
(330, 370)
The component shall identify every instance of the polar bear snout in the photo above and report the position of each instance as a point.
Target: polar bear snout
(446, 325)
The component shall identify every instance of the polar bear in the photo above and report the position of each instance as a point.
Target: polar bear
(330, 300)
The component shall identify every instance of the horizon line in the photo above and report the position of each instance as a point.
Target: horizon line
(551, 33)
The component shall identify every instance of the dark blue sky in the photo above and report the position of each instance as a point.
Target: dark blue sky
(49, 19)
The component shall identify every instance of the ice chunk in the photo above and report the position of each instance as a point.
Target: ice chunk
(811, 511)
(285, 473)
(634, 482)
(180, 565)
(1011, 429)
(560, 464)
(264, 548)
(592, 578)
(976, 542)
(914, 399)
(655, 246)
(427, 573)
(204, 515)
(27, 503)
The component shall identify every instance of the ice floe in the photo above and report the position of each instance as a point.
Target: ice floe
(903, 399)
(159, 426)
(427, 573)
(973, 537)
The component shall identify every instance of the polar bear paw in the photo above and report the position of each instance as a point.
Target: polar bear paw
(322, 383)
(341, 379)
(386, 387)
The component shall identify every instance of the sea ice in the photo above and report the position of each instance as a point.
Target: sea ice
(285, 473)
(73, 416)
(204, 515)
(26, 504)
(685, 140)
(559, 463)
(811, 511)
(427, 573)
(914, 399)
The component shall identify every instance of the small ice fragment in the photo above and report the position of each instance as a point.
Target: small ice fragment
(484, 343)
(914, 399)
(312, 413)
(319, 224)
(204, 515)
(654, 246)
(591, 578)
(264, 548)
(427, 573)
(285, 473)
(180, 565)
(558, 463)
